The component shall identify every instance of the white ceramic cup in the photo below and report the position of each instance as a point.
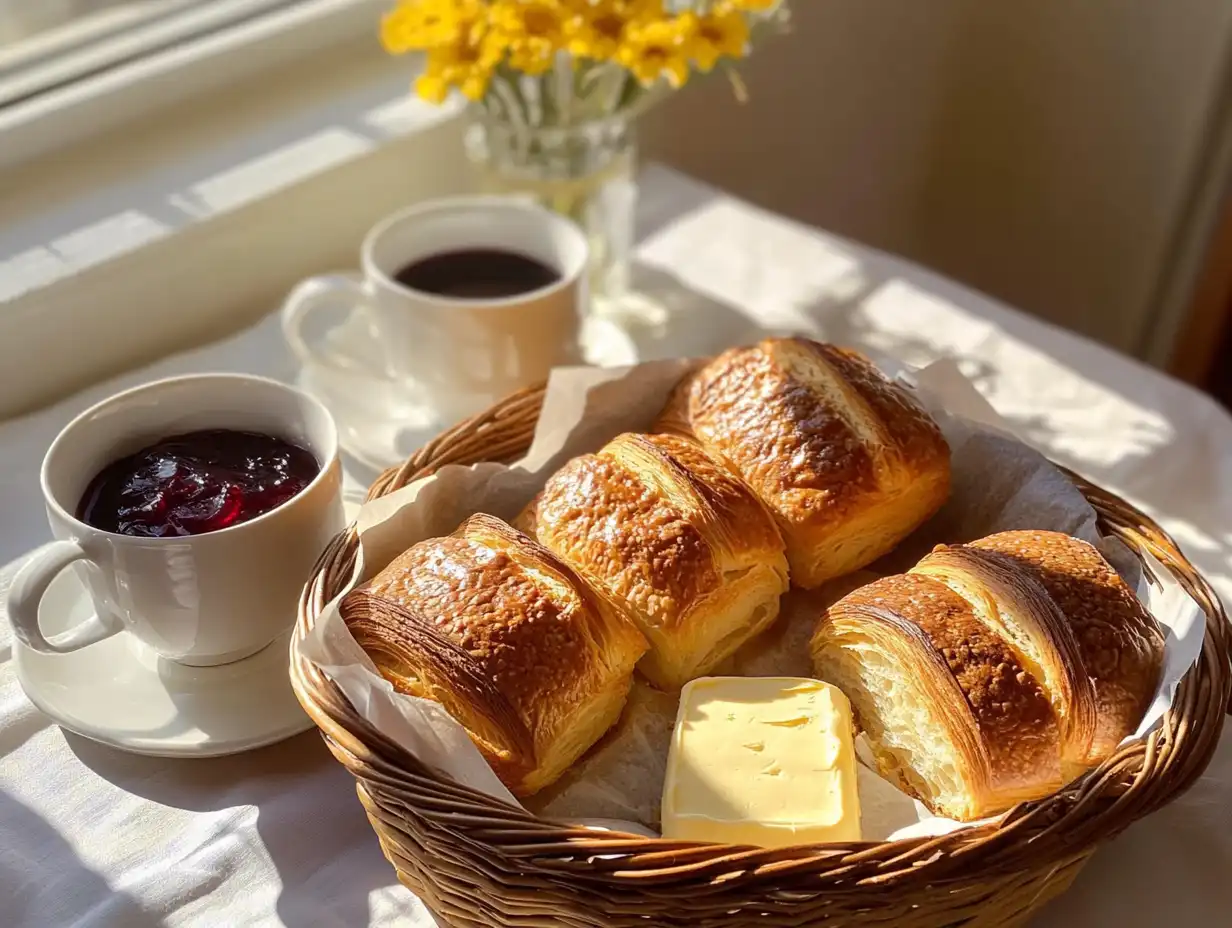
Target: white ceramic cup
(461, 355)
(201, 599)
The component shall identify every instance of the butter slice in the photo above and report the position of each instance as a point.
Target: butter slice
(765, 761)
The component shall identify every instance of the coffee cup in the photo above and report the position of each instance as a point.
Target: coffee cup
(456, 351)
(202, 599)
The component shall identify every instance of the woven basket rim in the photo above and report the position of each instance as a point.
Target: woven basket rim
(1140, 777)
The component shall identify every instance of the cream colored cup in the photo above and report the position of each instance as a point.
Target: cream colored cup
(202, 599)
(459, 355)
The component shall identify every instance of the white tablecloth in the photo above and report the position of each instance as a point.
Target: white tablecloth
(91, 837)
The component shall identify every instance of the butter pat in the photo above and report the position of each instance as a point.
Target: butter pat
(766, 761)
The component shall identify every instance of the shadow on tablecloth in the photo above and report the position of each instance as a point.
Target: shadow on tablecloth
(44, 882)
(299, 801)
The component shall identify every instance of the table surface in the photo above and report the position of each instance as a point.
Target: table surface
(93, 837)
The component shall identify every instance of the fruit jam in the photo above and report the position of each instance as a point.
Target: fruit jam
(196, 483)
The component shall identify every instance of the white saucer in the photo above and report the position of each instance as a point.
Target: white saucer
(381, 428)
(377, 440)
(121, 693)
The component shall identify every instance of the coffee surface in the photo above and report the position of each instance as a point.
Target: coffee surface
(477, 274)
(196, 483)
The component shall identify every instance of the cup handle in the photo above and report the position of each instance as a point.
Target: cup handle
(329, 290)
(27, 591)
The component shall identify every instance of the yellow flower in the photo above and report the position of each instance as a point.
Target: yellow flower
(466, 64)
(418, 25)
(754, 6)
(723, 33)
(597, 30)
(532, 30)
(655, 49)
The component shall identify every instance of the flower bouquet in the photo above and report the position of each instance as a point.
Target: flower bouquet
(556, 85)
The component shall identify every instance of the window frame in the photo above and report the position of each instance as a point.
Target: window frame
(187, 53)
(126, 144)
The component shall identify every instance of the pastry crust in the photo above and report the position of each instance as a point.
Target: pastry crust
(508, 639)
(951, 715)
(1120, 644)
(847, 461)
(680, 543)
(1017, 609)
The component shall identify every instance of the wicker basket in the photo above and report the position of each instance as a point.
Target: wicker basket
(475, 861)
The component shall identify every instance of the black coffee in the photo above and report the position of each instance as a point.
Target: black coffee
(477, 274)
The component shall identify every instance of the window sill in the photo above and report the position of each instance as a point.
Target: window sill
(190, 222)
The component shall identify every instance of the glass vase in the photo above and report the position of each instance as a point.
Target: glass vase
(585, 172)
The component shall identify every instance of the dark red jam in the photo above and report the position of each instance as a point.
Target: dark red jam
(196, 483)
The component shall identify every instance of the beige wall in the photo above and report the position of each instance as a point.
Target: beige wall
(1041, 150)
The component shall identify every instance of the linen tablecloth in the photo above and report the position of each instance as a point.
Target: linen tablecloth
(92, 837)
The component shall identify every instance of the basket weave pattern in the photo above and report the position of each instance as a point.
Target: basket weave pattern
(479, 863)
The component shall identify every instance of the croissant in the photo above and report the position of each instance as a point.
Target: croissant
(950, 714)
(683, 545)
(508, 639)
(847, 461)
(994, 672)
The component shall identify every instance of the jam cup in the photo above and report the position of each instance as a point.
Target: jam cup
(203, 599)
